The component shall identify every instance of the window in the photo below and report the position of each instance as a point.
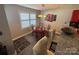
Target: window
(33, 19)
(27, 19)
(24, 20)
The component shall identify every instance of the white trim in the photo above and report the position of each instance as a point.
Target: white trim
(21, 35)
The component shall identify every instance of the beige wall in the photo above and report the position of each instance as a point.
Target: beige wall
(12, 13)
(63, 13)
(5, 38)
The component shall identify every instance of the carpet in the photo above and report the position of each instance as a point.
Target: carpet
(20, 44)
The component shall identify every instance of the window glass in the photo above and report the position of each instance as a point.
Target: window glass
(25, 24)
(32, 16)
(33, 19)
(33, 22)
(27, 19)
(24, 16)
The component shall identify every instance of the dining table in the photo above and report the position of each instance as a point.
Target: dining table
(40, 32)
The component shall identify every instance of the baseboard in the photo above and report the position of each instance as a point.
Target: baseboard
(21, 35)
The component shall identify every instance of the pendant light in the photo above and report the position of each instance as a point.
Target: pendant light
(42, 15)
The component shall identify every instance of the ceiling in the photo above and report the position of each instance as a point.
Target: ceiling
(40, 7)
(46, 6)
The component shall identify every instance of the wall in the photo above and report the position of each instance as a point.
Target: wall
(12, 13)
(63, 13)
(5, 38)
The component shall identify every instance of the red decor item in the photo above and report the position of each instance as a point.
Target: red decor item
(49, 17)
(75, 16)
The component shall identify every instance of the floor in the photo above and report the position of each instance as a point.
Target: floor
(67, 44)
(28, 50)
